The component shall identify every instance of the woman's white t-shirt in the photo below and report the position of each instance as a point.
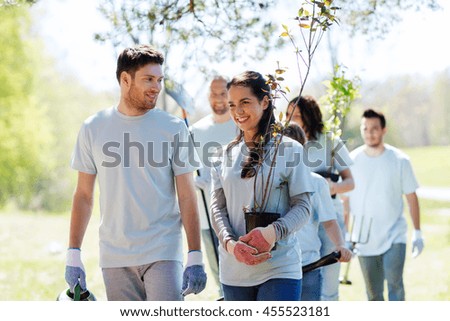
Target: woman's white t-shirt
(291, 178)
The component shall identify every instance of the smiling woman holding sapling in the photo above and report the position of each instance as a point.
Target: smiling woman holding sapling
(257, 171)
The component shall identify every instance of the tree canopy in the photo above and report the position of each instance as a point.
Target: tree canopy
(194, 32)
(375, 18)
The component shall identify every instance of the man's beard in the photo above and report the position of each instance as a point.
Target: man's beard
(220, 110)
(374, 144)
(139, 105)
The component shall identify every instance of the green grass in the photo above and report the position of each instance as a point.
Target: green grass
(431, 165)
(33, 256)
(32, 249)
(426, 277)
(33, 259)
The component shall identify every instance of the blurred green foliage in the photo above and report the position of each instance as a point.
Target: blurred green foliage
(25, 136)
(41, 110)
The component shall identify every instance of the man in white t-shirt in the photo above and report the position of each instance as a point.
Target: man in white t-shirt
(143, 159)
(382, 174)
(210, 133)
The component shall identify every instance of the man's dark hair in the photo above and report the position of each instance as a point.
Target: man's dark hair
(131, 59)
(370, 113)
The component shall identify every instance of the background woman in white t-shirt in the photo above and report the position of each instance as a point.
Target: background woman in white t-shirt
(306, 112)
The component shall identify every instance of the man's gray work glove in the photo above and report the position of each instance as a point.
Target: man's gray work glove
(194, 276)
(75, 273)
(417, 243)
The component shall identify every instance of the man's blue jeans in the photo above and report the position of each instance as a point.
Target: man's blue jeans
(271, 290)
(387, 266)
